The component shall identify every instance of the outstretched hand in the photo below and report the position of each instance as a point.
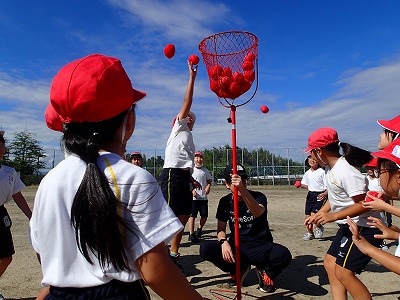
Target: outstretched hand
(192, 69)
(362, 244)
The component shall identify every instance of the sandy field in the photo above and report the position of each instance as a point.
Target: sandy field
(305, 278)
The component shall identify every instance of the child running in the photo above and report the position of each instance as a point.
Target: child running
(11, 187)
(99, 223)
(346, 189)
(314, 180)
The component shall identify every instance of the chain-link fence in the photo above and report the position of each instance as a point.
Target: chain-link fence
(276, 166)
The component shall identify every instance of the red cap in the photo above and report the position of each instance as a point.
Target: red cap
(321, 138)
(92, 89)
(52, 118)
(392, 125)
(373, 163)
(391, 152)
(199, 153)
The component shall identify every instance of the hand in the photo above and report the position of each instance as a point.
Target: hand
(194, 193)
(376, 204)
(362, 244)
(227, 253)
(387, 233)
(322, 218)
(192, 70)
(237, 181)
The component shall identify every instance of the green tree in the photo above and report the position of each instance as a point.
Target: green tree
(25, 156)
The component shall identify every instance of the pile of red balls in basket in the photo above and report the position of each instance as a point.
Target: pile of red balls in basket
(227, 84)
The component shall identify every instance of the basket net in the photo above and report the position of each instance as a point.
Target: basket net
(231, 61)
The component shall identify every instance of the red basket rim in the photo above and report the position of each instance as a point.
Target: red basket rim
(254, 37)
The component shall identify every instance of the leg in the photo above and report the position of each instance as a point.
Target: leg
(191, 225)
(4, 263)
(176, 240)
(202, 222)
(337, 288)
(211, 251)
(352, 284)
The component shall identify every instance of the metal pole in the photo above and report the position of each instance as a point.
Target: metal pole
(154, 163)
(288, 167)
(258, 175)
(213, 165)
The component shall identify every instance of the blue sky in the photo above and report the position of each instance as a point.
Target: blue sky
(321, 63)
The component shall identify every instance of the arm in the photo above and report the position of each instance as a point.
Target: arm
(227, 253)
(22, 204)
(386, 259)
(323, 195)
(380, 205)
(255, 208)
(188, 99)
(163, 276)
(354, 210)
(208, 187)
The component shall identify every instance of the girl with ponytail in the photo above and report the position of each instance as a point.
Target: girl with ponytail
(346, 190)
(100, 224)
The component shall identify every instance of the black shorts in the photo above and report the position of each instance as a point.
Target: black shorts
(312, 203)
(114, 289)
(176, 186)
(200, 206)
(347, 254)
(7, 245)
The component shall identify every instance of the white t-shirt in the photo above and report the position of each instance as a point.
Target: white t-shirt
(10, 183)
(180, 149)
(343, 182)
(53, 237)
(202, 176)
(315, 180)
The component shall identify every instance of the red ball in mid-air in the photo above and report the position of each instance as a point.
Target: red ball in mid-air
(194, 59)
(169, 51)
(264, 109)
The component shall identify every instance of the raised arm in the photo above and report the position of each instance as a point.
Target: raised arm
(188, 99)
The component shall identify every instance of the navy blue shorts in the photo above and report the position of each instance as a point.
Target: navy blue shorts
(116, 290)
(176, 186)
(7, 245)
(199, 206)
(347, 254)
(312, 203)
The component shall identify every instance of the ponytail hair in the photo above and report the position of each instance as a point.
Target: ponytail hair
(355, 156)
(94, 213)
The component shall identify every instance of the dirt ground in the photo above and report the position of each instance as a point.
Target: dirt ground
(305, 278)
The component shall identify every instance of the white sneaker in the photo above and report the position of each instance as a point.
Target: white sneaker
(308, 236)
(319, 232)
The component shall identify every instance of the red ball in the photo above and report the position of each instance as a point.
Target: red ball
(297, 183)
(250, 57)
(169, 51)
(247, 65)
(194, 59)
(249, 75)
(372, 193)
(264, 109)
